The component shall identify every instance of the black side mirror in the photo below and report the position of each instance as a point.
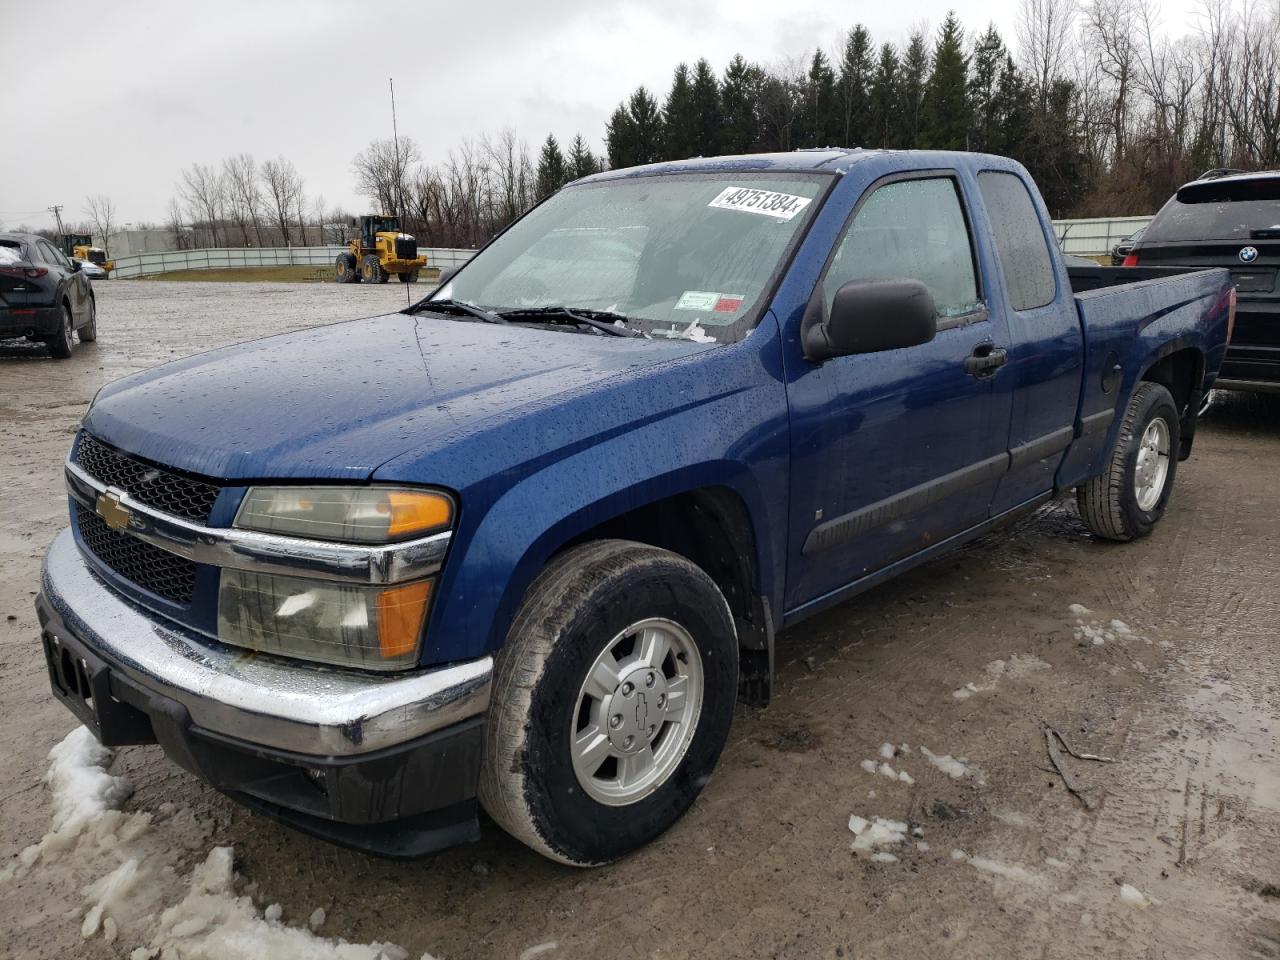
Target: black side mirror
(75, 266)
(868, 316)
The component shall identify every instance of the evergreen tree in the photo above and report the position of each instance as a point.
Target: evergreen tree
(552, 173)
(739, 94)
(944, 122)
(620, 139)
(989, 60)
(647, 122)
(854, 89)
(819, 118)
(706, 109)
(634, 133)
(580, 162)
(912, 73)
(884, 102)
(680, 118)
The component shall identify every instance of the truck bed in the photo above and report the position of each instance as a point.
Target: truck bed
(1132, 316)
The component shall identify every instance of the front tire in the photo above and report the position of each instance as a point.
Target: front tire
(612, 700)
(63, 342)
(344, 268)
(1129, 497)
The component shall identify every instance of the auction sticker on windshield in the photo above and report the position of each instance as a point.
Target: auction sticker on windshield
(782, 206)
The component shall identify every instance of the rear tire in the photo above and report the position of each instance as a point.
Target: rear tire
(612, 700)
(1129, 497)
(89, 332)
(63, 342)
(370, 269)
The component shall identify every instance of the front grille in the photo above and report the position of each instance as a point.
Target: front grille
(151, 568)
(170, 492)
(406, 249)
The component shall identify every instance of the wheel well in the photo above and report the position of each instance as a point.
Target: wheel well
(711, 528)
(1181, 373)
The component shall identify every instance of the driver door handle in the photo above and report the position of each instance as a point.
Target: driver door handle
(985, 361)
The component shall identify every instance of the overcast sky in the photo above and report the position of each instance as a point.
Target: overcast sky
(117, 98)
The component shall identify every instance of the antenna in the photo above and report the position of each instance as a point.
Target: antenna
(395, 139)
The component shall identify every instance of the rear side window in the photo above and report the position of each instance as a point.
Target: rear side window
(10, 252)
(1239, 209)
(915, 230)
(1025, 262)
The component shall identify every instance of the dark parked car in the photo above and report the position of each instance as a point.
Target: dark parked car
(1230, 220)
(1125, 246)
(43, 295)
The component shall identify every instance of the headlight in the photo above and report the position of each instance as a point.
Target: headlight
(345, 514)
(375, 628)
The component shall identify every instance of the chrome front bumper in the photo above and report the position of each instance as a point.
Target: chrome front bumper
(279, 704)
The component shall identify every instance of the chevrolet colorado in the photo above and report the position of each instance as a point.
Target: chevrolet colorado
(521, 545)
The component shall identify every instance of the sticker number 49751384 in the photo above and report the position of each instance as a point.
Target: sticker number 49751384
(782, 206)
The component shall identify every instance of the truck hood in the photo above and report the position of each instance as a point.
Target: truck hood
(337, 401)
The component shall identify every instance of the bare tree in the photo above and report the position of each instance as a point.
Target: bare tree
(512, 172)
(383, 173)
(175, 225)
(244, 195)
(101, 210)
(1045, 30)
(284, 189)
(203, 189)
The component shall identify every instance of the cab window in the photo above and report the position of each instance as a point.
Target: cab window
(911, 229)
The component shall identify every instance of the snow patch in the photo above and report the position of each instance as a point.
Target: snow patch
(876, 832)
(954, 767)
(132, 899)
(1005, 871)
(1015, 668)
(212, 923)
(538, 950)
(1134, 897)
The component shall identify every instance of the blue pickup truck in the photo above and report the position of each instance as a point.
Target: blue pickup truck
(522, 545)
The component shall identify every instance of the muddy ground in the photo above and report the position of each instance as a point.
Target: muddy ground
(1187, 702)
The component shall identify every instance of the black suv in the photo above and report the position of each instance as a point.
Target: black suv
(43, 295)
(1229, 219)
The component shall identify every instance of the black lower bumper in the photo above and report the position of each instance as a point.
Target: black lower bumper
(29, 321)
(408, 800)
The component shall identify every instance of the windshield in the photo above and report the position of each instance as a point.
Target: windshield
(678, 255)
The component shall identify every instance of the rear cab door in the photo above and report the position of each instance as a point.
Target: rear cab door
(1046, 343)
(896, 451)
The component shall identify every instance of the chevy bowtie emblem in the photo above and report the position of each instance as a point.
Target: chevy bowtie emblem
(112, 511)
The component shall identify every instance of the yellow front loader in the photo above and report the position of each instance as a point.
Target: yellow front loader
(80, 246)
(378, 253)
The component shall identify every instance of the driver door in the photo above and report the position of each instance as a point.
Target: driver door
(895, 451)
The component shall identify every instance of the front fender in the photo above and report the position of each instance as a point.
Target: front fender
(734, 437)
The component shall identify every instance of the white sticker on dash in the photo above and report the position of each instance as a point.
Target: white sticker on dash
(697, 300)
(782, 206)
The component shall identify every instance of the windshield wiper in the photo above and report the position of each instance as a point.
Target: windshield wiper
(457, 306)
(591, 318)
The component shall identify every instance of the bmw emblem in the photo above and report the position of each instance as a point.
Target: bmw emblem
(1248, 254)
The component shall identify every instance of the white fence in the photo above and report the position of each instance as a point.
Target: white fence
(1084, 237)
(220, 258)
(1091, 238)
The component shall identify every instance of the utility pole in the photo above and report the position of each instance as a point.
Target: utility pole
(56, 210)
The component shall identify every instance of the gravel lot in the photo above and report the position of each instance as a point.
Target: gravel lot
(1187, 702)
